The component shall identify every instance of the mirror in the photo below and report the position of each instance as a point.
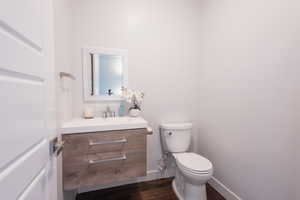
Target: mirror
(105, 73)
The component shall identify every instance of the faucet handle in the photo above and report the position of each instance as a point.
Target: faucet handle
(109, 113)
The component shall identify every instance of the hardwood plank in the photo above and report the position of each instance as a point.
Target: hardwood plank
(152, 190)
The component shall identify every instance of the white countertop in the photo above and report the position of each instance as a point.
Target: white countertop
(80, 125)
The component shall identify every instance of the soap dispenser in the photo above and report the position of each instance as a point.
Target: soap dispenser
(122, 109)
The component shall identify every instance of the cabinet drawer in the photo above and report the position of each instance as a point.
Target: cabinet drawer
(107, 141)
(134, 165)
(102, 168)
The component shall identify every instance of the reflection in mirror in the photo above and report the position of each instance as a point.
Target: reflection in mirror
(105, 72)
(106, 75)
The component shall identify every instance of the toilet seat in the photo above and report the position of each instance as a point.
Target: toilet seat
(193, 163)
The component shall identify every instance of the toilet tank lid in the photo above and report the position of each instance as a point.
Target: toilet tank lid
(176, 126)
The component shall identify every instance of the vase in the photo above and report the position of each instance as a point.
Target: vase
(134, 112)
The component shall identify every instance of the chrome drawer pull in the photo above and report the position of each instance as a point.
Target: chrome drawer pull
(108, 142)
(108, 160)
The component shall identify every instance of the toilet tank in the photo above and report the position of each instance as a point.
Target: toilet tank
(176, 136)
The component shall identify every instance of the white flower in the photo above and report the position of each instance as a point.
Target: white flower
(133, 96)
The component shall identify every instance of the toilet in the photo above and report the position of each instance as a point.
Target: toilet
(192, 170)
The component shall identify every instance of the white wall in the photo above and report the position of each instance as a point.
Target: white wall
(161, 38)
(249, 90)
(62, 40)
(51, 108)
(61, 17)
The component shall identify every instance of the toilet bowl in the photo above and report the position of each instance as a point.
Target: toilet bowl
(196, 171)
(192, 170)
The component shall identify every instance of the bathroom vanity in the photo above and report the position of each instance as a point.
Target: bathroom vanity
(103, 151)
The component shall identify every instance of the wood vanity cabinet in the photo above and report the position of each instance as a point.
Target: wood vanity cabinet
(91, 159)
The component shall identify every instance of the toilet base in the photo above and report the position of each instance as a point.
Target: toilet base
(176, 191)
(192, 192)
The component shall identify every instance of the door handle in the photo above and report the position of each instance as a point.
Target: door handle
(56, 146)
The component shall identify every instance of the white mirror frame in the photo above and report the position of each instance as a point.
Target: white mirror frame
(86, 67)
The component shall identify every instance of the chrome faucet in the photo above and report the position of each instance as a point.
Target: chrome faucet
(108, 113)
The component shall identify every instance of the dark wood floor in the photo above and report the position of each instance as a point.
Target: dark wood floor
(152, 190)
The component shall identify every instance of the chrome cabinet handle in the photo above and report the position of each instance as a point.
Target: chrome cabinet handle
(107, 160)
(91, 143)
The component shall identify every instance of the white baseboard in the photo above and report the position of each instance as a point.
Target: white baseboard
(151, 175)
(223, 190)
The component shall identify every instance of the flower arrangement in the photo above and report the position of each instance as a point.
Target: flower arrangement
(133, 97)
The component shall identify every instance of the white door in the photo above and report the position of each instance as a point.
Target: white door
(27, 109)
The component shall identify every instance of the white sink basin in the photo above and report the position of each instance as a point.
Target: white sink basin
(80, 125)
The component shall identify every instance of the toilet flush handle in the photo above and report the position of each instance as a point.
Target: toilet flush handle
(170, 133)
